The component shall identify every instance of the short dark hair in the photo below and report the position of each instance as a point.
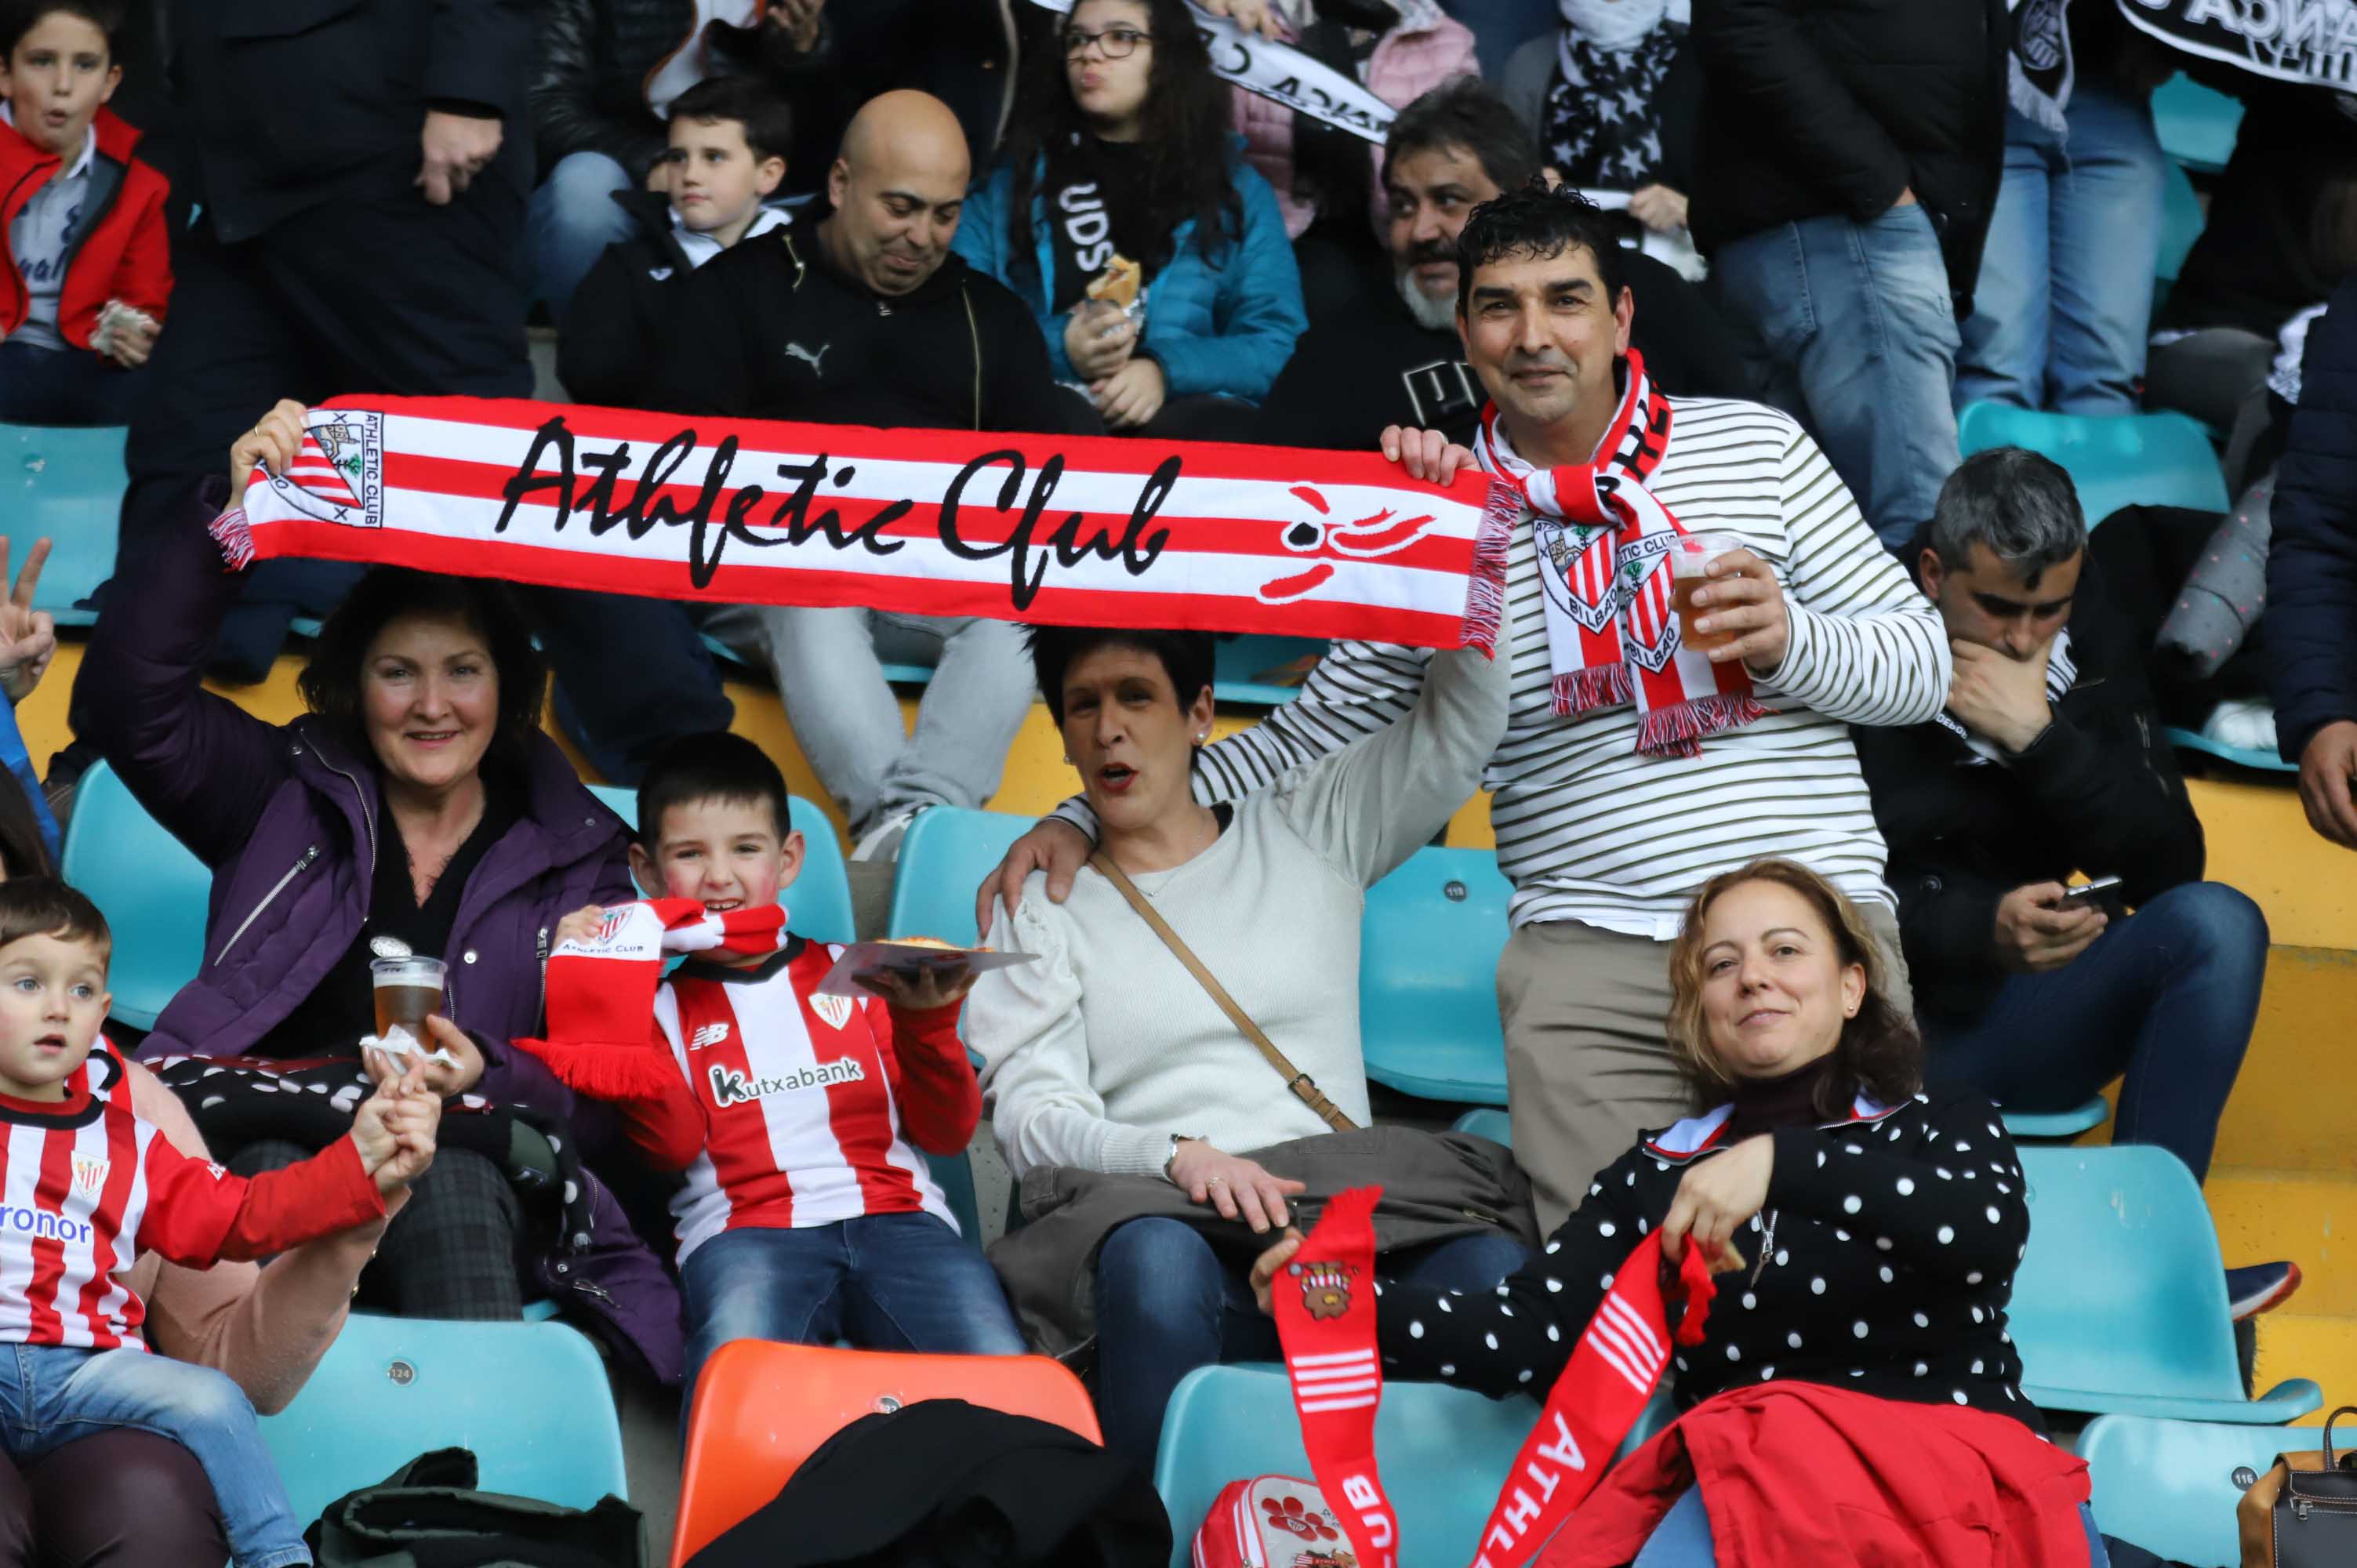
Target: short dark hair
(1466, 112)
(44, 907)
(330, 683)
(2021, 505)
(18, 16)
(712, 766)
(767, 119)
(1541, 221)
(1186, 658)
(23, 851)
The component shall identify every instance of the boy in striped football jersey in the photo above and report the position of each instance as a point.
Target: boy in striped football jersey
(85, 1188)
(807, 1214)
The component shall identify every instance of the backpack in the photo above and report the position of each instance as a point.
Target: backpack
(1272, 1521)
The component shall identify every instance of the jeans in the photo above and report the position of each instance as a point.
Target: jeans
(2168, 995)
(633, 675)
(1167, 1305)
(64, 386)
(570, 220)
(829, 665)
(1502, 27)
(2065, 301)
(51, 1394)
(885, 1281)
(1683, 1538)
(1853, 332)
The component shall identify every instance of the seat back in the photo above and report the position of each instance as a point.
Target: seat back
(65, 486)
(2148, 459)
(819, 902)
(1444, 1452)
(2196, 124)
(2181, 221)
(153, 892)
(2121, 1295)
(1427, 968)
(762, 1408)
(2170, 1487)
(947, 853)
(530, 1398)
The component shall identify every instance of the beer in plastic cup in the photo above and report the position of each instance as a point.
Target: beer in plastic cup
(1690, 558)
(407, 989)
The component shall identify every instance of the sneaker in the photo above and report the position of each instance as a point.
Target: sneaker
(882, 842)
(2261, 1287)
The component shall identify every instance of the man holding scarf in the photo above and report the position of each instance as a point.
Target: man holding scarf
(1632, 769)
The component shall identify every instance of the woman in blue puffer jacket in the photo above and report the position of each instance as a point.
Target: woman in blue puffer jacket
(1122, 148)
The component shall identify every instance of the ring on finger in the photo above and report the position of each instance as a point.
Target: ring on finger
(1215, 1181)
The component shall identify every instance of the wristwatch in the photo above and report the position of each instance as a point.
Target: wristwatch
(1172, 1158)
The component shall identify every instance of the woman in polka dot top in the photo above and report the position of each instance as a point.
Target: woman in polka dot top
(1877, 1228)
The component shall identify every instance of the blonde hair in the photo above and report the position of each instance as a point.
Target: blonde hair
(1880, 1051)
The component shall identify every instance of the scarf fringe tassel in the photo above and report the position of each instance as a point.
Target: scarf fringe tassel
(1598, 686)
(1679, 731)
(1485, 593)
(235, 537)
(626, 1072)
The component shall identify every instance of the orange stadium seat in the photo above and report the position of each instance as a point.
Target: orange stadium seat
(763, 1408)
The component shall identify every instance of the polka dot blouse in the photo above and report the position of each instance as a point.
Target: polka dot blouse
(1882, 1262)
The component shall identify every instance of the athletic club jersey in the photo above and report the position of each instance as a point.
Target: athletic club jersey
(86, 1187)
(790, 1107)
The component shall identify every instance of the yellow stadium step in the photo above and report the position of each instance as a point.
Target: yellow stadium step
(2290, 1110)
(2297, 1344)
(2264, 1215)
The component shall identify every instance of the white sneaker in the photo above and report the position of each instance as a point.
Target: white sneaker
(2245, 722)
(882, 842)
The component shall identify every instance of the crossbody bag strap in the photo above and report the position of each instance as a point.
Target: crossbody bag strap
(1304, 1087)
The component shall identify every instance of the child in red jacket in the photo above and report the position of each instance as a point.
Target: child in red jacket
(89, 259)
(807, 1215)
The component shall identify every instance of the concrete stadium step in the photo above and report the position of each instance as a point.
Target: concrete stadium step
(2297, 1344)
(2290, 1107)
(2310, 1218)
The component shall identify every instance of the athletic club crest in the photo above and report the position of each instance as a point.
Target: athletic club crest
(338, 475)
(1325, 1288)
(835, 1010)
(90, 1175)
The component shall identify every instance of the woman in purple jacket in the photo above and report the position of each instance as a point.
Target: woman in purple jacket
(416, 808)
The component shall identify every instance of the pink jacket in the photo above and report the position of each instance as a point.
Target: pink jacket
(1425, 49)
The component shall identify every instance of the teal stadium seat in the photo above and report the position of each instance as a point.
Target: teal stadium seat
(947, 852)
(153, 892)
(65, 486)
(1496, 1126)
(1238, 664)
(530, 1398)
(2149, 459)
(2197, 124)
(1487, 1122)
(2181, 221)
(2119, 1307)
(2170, 1487)
(2239, 756)
(818, 904)
(1444, 1452)
(1427, 977)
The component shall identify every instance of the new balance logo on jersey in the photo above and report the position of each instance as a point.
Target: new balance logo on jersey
(730, 1087)
(708, 1034)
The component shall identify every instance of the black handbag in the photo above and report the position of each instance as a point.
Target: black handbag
(2303, 1512)
(428, 1514)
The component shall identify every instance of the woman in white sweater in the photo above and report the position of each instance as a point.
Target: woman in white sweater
(1108, 1056)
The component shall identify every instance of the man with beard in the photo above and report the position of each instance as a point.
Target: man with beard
(1450, 150)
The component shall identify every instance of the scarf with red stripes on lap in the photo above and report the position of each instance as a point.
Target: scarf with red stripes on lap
(1604, 543)
(1325, 1306)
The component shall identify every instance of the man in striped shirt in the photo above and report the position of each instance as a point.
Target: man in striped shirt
(1604, 843)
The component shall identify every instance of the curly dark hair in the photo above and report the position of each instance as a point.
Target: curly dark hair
(1880, 1052)
(330, 683)
(1540, 221)
(1185, 140)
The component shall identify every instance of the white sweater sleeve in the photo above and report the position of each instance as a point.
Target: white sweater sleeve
(1867, 648)
(1370, 805)
(1025, 1020)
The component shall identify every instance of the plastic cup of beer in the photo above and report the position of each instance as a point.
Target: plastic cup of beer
(407, 989)
(1690, 558)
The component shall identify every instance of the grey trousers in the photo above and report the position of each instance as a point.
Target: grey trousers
(829, 666)
(1587, 1055)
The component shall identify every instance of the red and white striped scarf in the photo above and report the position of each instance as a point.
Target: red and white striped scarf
(1190, 536)
(1603, 543)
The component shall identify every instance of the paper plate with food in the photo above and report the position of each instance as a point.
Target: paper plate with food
(910, 956)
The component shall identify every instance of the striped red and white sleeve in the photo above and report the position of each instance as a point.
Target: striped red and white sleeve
(199, 1214)
(932, 1082)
